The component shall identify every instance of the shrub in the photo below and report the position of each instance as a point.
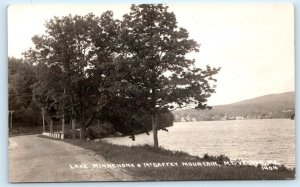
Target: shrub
(100, 131)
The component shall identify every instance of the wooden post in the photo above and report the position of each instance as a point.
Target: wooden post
(43, 116)
(11, 113)
(11, 120)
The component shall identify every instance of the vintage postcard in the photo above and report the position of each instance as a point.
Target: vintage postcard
(151, 92)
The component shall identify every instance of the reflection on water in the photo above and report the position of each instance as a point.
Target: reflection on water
(268, 139)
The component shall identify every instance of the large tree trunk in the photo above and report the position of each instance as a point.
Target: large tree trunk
(154, 128)
(82, 132)
(51, 126)
(73, 121)
(85, 124)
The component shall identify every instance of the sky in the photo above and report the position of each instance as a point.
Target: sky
(252, 43)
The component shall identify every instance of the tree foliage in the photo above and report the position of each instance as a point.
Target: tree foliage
(75, 50)
(161, 78)
(130, 72)
(21, 78)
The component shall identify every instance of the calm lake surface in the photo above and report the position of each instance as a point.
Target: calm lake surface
(264, 139)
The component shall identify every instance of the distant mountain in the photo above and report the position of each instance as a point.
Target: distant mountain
(268, 106)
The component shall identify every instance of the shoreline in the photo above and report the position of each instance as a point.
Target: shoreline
(185, 166)
(237, 160)
(182, 135)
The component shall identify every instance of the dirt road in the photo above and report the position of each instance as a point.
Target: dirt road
(36, 159)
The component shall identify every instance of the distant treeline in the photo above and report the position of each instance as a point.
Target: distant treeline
(265, 107)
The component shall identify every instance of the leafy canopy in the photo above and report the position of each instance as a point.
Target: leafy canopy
(160, 76)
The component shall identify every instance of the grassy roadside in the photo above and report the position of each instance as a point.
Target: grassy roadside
(146, 154)
(19, 131)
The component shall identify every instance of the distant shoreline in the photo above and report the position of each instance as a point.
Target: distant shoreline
(235, 120)
(281, 105)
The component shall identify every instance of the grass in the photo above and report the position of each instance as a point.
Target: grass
(27, 130)
(19, 130)
(119, 154)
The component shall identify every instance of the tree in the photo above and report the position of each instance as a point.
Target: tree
(78, 48)
(153, 67)
(48, 91)
(140, 62)
(21, 77)
(127, 119)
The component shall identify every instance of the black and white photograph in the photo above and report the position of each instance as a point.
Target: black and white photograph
(151, 92)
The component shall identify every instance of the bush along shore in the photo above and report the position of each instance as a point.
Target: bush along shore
(149, 163)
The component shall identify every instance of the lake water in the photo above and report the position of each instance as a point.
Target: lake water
(267, 139)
